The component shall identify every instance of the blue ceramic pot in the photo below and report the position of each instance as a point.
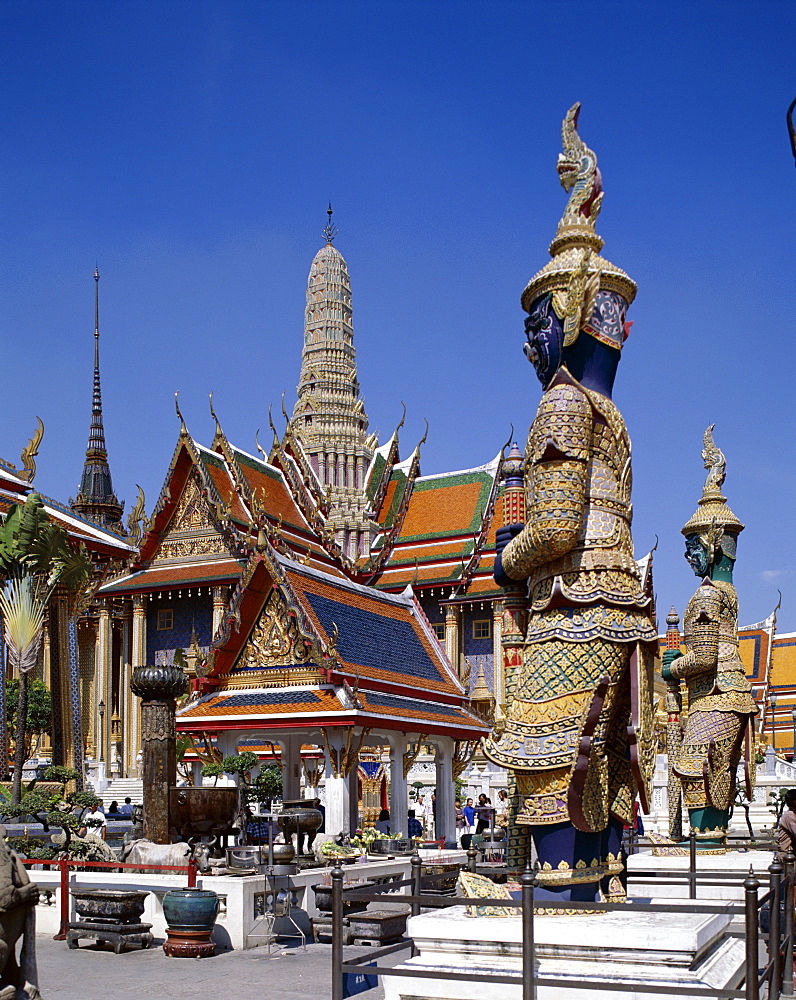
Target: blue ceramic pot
(190, 909)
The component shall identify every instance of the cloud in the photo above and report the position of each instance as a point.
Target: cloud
(770, 575)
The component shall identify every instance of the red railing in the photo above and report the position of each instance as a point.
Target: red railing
(64, 864)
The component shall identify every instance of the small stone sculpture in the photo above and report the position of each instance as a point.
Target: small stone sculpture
(18, 898)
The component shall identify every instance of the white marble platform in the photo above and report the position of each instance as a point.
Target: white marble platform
(634, 949)
(733, 862)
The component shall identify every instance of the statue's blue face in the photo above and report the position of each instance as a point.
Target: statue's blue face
(545, 339)
(696, 555)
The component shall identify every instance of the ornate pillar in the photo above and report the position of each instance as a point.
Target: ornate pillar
(138, 659)
(445, 790)
(512, 640)
(498, 678)
(158, 687)
(219, 606)
(341, 782)
(452, 643)
(63, 744)
(127, 704)
(102, 676)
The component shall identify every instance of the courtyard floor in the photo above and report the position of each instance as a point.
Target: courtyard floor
(95, 973)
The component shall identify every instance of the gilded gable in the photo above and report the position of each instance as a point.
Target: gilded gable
(191, 530)
(277, 652)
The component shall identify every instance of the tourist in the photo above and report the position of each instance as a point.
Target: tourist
(126, 808)
(415, 827)
(428, 816)
(786, 828)
(382, 824)
(94, 822)
(469, 815)
(484, 814)
(462, 826)
(502, 809)
(113, 809)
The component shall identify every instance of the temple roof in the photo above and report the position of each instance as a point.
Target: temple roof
(310, 649)
(98, 539)
(182, 575)
(445, 533)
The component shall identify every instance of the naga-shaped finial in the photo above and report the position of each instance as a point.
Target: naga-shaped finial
(716, 464)
(136, 520)
(579, 174)
(29, 453)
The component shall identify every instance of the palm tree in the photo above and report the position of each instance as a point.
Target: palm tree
(35, 558)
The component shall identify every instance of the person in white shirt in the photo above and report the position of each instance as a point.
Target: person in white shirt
(95, 822)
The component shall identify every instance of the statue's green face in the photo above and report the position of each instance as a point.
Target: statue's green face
(696, 555)
(545, 339)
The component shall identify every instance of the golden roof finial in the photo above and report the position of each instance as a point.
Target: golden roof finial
(183, 428)
(329, 230)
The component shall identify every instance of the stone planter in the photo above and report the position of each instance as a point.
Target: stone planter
(109, 904)
(190, 915)
(323, 900)
(382, 845)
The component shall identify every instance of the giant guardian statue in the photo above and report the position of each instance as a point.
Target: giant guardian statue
(578, 736)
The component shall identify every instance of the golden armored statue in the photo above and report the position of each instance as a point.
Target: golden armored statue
(578, 732)
(720, 704)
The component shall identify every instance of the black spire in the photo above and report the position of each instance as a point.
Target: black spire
(96, 499)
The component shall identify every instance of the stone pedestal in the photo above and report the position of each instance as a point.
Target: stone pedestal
(709, 866)
(631, 949)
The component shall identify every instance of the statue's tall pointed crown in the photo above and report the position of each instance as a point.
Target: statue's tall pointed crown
(577, 273)
(713, 514)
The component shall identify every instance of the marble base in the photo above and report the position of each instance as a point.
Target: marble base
(708, 865)
(631, 949)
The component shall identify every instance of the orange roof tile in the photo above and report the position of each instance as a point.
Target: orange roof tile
(156, 578)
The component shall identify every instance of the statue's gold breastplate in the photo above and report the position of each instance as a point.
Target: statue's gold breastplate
(601, 565)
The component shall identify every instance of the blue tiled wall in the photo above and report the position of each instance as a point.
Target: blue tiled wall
(189, 612)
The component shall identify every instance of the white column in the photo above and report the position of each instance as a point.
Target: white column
(399, 806)
(446, 792)
(338, 819)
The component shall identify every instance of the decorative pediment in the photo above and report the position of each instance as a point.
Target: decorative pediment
(191, 530)
(277, 652)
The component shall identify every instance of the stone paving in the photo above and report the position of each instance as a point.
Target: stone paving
(95, 973)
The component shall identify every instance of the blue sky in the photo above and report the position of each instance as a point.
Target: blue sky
(190, 149)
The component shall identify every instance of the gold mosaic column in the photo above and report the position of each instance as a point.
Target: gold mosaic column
(102, 686)
(133, 716)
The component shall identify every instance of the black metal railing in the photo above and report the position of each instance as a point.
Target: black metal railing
(777, 973)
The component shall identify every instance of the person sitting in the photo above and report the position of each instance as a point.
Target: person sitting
(382, 824)
(415, 827)
(113, 809)
(126, 809)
